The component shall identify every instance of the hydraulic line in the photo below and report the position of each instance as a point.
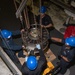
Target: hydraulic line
(33, 11)
(21, 7)
(21, 19)
(41, 24)
(26, 18)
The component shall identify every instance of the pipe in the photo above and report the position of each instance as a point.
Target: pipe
(20, 9)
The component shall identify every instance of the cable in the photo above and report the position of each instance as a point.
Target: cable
(40, 25)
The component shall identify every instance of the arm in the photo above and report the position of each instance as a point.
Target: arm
(56, 39)
(17, 32)
(48, 26)
(41, 53)
(50, 23)
(12, 47)
(70, 55)
(65, 58)
(16, 47)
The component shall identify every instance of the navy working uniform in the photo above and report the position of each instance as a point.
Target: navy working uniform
(40, 66)
(46, 20)
(69, 54)
(9, 46)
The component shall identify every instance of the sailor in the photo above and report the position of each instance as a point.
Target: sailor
(9, 46)
(67, 52)
(46, 21)
(32, 65)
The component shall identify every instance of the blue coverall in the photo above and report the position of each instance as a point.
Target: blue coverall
(40, 68)
(46, 20)
(69, 54)
(10, 47)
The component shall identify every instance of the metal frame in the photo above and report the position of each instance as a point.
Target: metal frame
(9, 63)
(21, 7)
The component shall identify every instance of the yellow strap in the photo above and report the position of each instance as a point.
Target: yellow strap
(46, 71)
(50, 65)
(49, 68)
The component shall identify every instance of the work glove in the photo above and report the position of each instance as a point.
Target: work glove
(26, 58)
(23, 47)
(38, 46)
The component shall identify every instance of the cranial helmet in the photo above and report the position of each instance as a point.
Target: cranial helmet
(70, 41)
(32, 62)
(42, 9)
(6, 34)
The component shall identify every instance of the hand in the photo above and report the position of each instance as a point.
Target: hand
(38, 46)
(23, 46)
(22, 30)
(61, 55)
(42, 26)
(26, 59)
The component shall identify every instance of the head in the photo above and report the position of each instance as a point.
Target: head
(70, 41)
(42, 10)
(6, 34)
(32, 62)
